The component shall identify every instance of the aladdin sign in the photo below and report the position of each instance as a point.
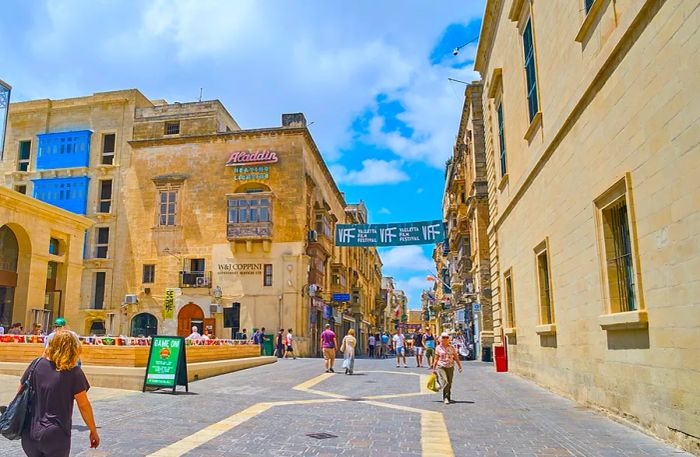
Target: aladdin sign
(251, 157)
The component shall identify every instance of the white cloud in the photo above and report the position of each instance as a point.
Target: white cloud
(406, 258)
(373, 172)
(384, 211)
(413, 287)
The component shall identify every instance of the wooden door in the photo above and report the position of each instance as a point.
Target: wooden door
(187, 314)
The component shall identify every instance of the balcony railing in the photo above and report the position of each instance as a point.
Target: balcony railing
(200, 279)
(249, 231)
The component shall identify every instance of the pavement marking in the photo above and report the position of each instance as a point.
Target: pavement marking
(306, 385)
(407, 373)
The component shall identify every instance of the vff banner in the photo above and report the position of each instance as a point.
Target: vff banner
(397, 234)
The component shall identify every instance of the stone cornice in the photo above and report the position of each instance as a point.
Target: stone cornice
(11, 199)
(487, 33)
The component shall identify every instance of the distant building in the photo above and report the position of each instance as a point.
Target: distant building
(590, 113)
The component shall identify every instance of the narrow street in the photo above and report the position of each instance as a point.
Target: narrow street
(380, 411)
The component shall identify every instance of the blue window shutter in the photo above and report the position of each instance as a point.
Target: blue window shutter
(63, 150)
(67, 193)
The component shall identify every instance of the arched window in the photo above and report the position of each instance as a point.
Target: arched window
(97, 327)
(144, 325)
(9, 249)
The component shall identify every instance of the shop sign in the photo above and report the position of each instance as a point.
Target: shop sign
(251, 157)
(340, 297)
(239, 269)
(251, 173)
(405, 326)
(476, 307)
(167, 364)
(169, 304)
(398, 234)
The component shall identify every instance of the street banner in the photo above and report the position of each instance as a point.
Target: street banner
(167, 363)
(397, 234)
(169, 304)
(404, 326)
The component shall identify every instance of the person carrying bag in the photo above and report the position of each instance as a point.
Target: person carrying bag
(14, 419)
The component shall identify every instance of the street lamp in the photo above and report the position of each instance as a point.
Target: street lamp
(456, 50)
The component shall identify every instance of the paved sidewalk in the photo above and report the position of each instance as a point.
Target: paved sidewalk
(380, 411)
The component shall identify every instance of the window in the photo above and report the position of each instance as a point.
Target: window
(323, 226)
(544, 285)
(510, 308)
(501, 139)
(63, 149)
(67, 193)
(530, 71)
(108, 147)
(105, 203)
(149, 274)
(246, 209)
(616, 245)
(22, 189)
(172, 128)
(197, 265)
(168, 207)
(25, 148)
(101, 242)
(98, 299)
(587, 5)
(54, 246)
(267, 279)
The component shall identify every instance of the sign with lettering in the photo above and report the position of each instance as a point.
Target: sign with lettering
(249, 173)
(398, 234)
(167, 363)
(239, 268)
(251, 157)
(169, 304)
(340, 297)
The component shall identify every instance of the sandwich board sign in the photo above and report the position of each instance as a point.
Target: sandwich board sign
(167, 363)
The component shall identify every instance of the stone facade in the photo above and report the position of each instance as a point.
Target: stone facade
(173, 252)
(41, 262)
(464, 259)
(592, 158)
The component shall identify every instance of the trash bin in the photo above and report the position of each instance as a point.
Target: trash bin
(486, 354)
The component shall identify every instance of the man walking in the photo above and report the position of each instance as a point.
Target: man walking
(385, 344)
(418, 347)
(279, 344)
(399, 341)
(290, 345)
(329, 343)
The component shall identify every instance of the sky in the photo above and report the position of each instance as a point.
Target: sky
(370, 76)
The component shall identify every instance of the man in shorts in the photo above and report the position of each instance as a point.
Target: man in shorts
(399, 341)
(429, 343)
(290, 345)
(329, 343)
(418, 347)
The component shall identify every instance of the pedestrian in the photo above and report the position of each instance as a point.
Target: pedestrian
(347, 347)
(195, 335)
(244, 335)
(290, 345)
(371, 342)
(418, 347)
(385, 344)
(16, 329)
(59, 325)
(399, 341)
(329, 343)
(429, 343)
(279, 344)
(2, 330)
(445, 358)
(56, 382)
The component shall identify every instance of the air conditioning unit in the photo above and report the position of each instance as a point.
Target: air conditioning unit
(313, 235)
(131, 299)
(214, 308)
(201, 281)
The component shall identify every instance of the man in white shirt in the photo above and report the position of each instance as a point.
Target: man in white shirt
(400, 348)
(289, 349)
(195, 335)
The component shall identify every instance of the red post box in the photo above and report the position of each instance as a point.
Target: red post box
(500, 359)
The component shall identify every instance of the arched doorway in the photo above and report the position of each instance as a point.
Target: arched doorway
(9, 256)
(144, 324)
(97, 328)
(189, 316)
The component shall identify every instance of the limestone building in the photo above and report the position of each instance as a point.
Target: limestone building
(197, 222)
(466, 215)
(41, 262)
(590, 114)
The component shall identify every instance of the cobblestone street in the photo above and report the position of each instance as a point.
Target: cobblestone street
(380, 411)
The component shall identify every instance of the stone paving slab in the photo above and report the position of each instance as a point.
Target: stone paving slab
(497, 414)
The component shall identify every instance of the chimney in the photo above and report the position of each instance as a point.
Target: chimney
(294, 120)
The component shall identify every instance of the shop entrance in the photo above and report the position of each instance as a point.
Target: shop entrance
(190, 316)
(144, 325)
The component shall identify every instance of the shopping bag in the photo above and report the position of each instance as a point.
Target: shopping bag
(432, 382)
(14, 418)
(346, 363)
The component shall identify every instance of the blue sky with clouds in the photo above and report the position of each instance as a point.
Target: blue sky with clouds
(371, 76)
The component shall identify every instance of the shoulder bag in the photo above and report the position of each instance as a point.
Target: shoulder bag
(14, 419)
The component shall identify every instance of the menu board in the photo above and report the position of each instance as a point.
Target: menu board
(167, 364)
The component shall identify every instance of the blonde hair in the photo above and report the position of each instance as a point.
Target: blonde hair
(64, 350)
(351, 332)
